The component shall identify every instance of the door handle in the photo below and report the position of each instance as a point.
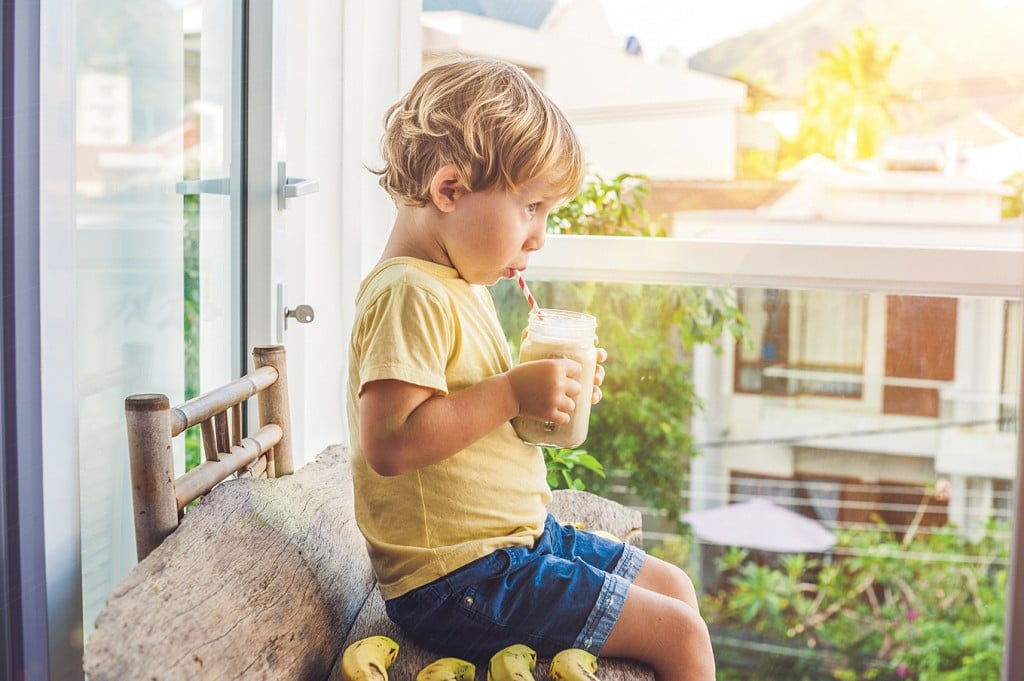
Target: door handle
(214, 185)
(299, 186)
(292, 187)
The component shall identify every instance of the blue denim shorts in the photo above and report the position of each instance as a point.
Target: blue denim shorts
(565, 592)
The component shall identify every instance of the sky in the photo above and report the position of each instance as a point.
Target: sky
(692, 25)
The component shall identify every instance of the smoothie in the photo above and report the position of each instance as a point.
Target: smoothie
(557, 334)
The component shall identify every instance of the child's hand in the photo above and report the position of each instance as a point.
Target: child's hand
(602, 355)
(546, 389)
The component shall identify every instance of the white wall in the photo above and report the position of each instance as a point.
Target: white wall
(347, 63)
(380, 57)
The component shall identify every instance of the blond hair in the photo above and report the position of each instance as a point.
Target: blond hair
(490, 120)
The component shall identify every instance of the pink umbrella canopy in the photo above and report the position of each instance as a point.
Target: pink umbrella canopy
(760, 524)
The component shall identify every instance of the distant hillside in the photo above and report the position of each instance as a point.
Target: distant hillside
(955, 54)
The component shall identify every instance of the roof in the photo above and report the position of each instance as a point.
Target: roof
(673, 196)
(528, 13)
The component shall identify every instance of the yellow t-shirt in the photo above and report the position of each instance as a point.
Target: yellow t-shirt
(419, 322)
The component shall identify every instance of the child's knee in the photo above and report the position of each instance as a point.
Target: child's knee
(663, 631)
(668, 579)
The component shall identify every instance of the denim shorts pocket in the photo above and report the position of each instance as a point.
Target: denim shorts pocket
(477, 604)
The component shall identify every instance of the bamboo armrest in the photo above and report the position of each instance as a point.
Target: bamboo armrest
(159, 499)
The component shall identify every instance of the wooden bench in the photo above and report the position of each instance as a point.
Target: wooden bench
(267, 577)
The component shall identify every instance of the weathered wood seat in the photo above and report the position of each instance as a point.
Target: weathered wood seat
(269, 579)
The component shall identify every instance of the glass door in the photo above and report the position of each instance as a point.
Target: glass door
(158, 230)
(292, 120)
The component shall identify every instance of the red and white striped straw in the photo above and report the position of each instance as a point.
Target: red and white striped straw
(526, 292)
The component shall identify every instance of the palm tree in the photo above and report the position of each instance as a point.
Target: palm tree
(848, 106)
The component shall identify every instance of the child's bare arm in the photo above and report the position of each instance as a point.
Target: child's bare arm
(403, 426)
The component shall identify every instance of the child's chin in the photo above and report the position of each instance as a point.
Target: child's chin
(485, 280)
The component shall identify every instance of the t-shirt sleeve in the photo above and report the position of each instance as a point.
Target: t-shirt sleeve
(406, 333)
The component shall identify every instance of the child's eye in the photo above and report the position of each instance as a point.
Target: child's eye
(532, 208)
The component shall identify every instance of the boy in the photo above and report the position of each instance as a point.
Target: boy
(451, 503)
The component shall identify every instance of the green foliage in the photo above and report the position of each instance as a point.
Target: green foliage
(612, 208)
(672, 550)
(756, 164)
(561, 464)
(642, 426)
(190, 284)
(1013, 201)
(928, 609)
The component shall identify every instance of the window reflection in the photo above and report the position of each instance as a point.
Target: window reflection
(154, 88)
(129, 150)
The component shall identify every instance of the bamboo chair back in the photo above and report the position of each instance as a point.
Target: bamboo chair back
(159, 499)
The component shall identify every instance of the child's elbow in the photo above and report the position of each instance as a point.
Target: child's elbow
(382, 461)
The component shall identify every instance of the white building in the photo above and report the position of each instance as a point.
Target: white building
(902, 390)
(633, 116)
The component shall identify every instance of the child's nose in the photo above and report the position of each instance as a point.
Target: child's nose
(536, 240)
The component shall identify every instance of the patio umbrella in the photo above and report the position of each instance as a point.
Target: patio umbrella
(760, 524)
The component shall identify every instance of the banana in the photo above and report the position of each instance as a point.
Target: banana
(448, 669)
(606, 535)
(514, 663)
(573, 664)
(368, 659)
(580, 525)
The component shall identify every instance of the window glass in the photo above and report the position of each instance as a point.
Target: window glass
(868, 405)
(153, 90)
(859, 532)
(847, 194)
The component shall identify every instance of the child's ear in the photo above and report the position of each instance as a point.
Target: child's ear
(445, 188)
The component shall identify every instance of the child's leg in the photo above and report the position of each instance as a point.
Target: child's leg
(660, 625)
(665, 578)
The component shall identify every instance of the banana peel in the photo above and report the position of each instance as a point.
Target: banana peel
(368, 659)
(514, 663)
(448, 669)
(573, 664)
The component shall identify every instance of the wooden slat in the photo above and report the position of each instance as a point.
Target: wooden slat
(199, 409)
(220, 427)
(209, 441)
(236, 424)
(204, 477)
